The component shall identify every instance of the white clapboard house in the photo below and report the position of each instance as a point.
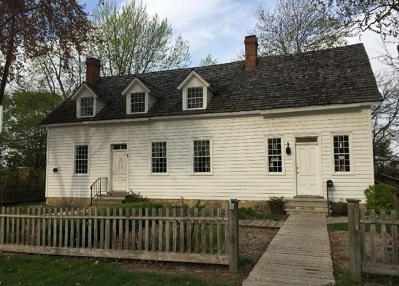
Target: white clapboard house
(266, 126)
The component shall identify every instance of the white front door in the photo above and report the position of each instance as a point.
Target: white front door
(307, 158)
(119, 170)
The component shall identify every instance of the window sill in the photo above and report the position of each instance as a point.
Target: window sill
(202, 174)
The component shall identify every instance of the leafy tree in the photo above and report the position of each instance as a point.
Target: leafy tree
(381, 16)
(296, 26)
(23, 141)
(29, 27)
(130, 41)
(208, 61)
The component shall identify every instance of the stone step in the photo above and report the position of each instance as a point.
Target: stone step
(301, 211)
(306, 203)
(322, 208)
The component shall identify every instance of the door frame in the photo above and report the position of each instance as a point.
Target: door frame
(319, 177)
(110, 164)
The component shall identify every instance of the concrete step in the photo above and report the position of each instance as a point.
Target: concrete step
(110, 199)
(307, 204)
(301, 211)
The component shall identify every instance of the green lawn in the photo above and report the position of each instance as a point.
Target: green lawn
(54, 270)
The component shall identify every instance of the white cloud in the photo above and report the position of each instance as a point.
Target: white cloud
(216, 27)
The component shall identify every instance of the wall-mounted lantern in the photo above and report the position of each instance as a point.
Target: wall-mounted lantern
(288, 149)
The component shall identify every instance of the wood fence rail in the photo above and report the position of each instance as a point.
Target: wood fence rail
(184, 235)
(373, 241)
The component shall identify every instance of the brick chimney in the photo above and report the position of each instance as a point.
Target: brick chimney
(92, 70)
(251, 52)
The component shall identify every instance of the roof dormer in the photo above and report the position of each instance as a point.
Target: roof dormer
(138, 97)
(88, 104)
(196, 92)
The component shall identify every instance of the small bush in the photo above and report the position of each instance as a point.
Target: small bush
(134, 197)
(379, 197)
(277, 205)
(339, 208)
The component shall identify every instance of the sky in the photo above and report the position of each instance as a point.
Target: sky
(218, 27)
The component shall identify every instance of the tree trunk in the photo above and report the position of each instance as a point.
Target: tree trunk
(9, 56)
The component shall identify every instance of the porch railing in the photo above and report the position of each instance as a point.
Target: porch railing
(98, 187)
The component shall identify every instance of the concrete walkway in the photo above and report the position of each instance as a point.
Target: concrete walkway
(299, 254)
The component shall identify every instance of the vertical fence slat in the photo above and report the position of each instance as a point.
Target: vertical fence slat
(218, 233)
(203, 232)
(233, 235)
(60, 227)
(49, 226)
(181, 225)
(189, 229)
(23, 229)
(38, 228)
(196, 225)
(18, 234)
(394, 231)
(44, 226)
(147, 231)
(93, 225)
(2, 225)
(140, 222)
(211, 225)
(114, 227)
(134, 246)
(174, 241)
(55, 228)
(102, 233)
(83, 242)
(160, 230)
(120, 235)
(72, 239)
(373, 234)
(78, 223)
(12, 236)
(33, 224)
(383, 237)
(153, 229)
(107, 229)
(66, 242)
(127, 229)
(363, 234)
(167, 231)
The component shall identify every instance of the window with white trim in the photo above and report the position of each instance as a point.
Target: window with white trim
(137, 102)
(341, 153)
(202, 156)
(86, 106)
(81, 159)
(274, 155)
(159, 157)
(195, 97)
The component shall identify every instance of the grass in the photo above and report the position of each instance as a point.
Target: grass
(386, 280)
(344, 226)
(53, 270)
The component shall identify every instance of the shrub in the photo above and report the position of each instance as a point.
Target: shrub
(146, 204)
(277, 205)
(379, 197)
(134, 197)
(339, 208)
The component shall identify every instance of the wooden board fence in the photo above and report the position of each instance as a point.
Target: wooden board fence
(373, 241)
(185, 235)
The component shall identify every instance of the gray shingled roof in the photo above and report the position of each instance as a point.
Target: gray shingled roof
(325, 77)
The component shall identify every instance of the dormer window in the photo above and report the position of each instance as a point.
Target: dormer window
(86, 106)
(138, 102)
(138, 97)
(196, 92)
(195, 97)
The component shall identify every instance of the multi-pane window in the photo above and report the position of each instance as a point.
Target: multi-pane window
(138, 102)
(202, 156)
(195, 97)
(274, 155)
(86, 106)
(159, 159)
(81, 159)
(341, 153)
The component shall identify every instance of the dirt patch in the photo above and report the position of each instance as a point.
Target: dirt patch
(253, 243)
(339, 242)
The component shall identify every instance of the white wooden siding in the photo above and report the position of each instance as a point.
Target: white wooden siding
(239, 155)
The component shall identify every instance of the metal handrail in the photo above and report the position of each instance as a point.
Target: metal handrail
(97, 187)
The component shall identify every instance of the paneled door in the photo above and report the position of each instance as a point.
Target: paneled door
(307, 167)
(119, 169)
